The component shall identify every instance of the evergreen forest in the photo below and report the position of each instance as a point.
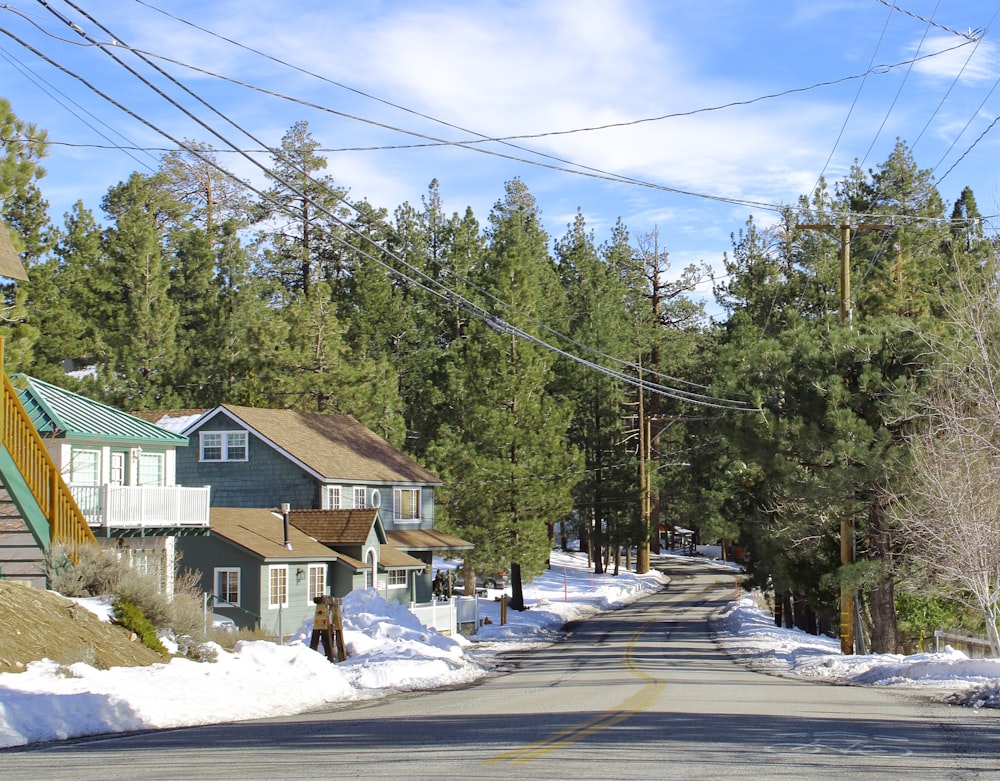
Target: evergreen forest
(841, 441)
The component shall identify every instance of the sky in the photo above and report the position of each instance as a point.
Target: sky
(685, 117)
(389, 651)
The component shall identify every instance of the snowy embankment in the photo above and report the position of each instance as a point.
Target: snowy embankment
(749, 634)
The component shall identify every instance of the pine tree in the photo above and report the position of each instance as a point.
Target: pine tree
(607, 496)
(303, 240)
(141, 316)
(510, 444)
(23, 211)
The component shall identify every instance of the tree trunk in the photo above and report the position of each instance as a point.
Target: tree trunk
(881, 598)
(786, 609)
(516, 588)
(991, 632)
(469, 577)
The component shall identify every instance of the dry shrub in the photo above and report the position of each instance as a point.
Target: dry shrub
(95, 572)
(229, 639)
(99, 572)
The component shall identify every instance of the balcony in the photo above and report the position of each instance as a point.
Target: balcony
(142, 506)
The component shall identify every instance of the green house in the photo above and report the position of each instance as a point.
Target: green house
(121, 472)
(261, 571)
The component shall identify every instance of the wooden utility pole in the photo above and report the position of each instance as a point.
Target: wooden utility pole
(643, 482)
(847, 597)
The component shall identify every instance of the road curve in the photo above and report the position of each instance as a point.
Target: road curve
(640, 693)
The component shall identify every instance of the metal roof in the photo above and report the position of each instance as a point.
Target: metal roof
(57, 412)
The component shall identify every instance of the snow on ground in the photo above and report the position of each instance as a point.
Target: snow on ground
(389, 651)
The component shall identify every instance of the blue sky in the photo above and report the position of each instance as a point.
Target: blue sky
(657, 72)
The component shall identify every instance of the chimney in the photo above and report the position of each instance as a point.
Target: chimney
(285, 509)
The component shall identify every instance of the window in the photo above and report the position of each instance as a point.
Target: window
(406, 505)
(151, 469)
(223, 445)
(333, 497)
(397, 578)
(359, 497)
(376, 498)
(85, 467)
(227, 584)
(317, 581)
(277, 591)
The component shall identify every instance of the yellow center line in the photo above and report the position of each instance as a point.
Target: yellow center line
(639, 701)
(564, 737)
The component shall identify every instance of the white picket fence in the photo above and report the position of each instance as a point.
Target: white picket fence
(447, 615)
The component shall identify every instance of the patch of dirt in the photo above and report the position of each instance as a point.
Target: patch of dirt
(38, 624)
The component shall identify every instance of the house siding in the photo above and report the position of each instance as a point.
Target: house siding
(388, 509)
(204, 554)
(266, 479)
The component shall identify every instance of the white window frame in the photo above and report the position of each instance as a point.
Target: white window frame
(228, 441)
(160, 461)
(90, 458)
(396, 578)
(334, 497)
(277, 575)
(397, 505)
(360, 492)
(315, 582)
(219, 571)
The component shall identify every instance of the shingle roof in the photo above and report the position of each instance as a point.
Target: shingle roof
(57, 412)
(336, 527)
(335, 447)
(390, 556)
(261, 532)
(426, 539)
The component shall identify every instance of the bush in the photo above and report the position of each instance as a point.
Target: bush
(99, 572)
(95, 572)
(130, 616)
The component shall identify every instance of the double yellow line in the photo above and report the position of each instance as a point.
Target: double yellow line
(565, 737)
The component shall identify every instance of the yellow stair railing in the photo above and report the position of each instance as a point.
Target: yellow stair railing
(36, 470)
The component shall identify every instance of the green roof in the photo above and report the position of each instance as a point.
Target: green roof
(57, 412)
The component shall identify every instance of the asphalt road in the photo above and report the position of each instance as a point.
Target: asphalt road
(641, 693)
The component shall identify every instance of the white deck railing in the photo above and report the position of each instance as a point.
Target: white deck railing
(446, 615)
(142, 506)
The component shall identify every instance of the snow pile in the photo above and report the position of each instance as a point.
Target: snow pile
(750, 634)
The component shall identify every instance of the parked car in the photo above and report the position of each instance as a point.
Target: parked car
(496, 580)
(491, 581)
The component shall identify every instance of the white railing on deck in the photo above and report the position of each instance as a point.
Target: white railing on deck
(142, 506)
(446, 615)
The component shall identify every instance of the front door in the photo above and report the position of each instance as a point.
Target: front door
(117, 475)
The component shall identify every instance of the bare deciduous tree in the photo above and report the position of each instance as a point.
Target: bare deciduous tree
(950, 515)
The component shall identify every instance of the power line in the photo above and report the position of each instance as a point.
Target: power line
(854, 103)
(473, 144)
(879, 69)
(49, 89)
(430, 285)
(952, 86)
(899, 91)
(971, 35)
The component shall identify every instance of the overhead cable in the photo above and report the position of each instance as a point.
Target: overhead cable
(429, 285)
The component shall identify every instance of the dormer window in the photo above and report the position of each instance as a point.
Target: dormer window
(223, 446)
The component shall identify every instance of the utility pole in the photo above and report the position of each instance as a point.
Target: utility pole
(847, 596)
(643, 476)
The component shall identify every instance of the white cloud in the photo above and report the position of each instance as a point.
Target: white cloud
(973, 62)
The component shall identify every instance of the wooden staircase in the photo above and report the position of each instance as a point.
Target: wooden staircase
(33, 481)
